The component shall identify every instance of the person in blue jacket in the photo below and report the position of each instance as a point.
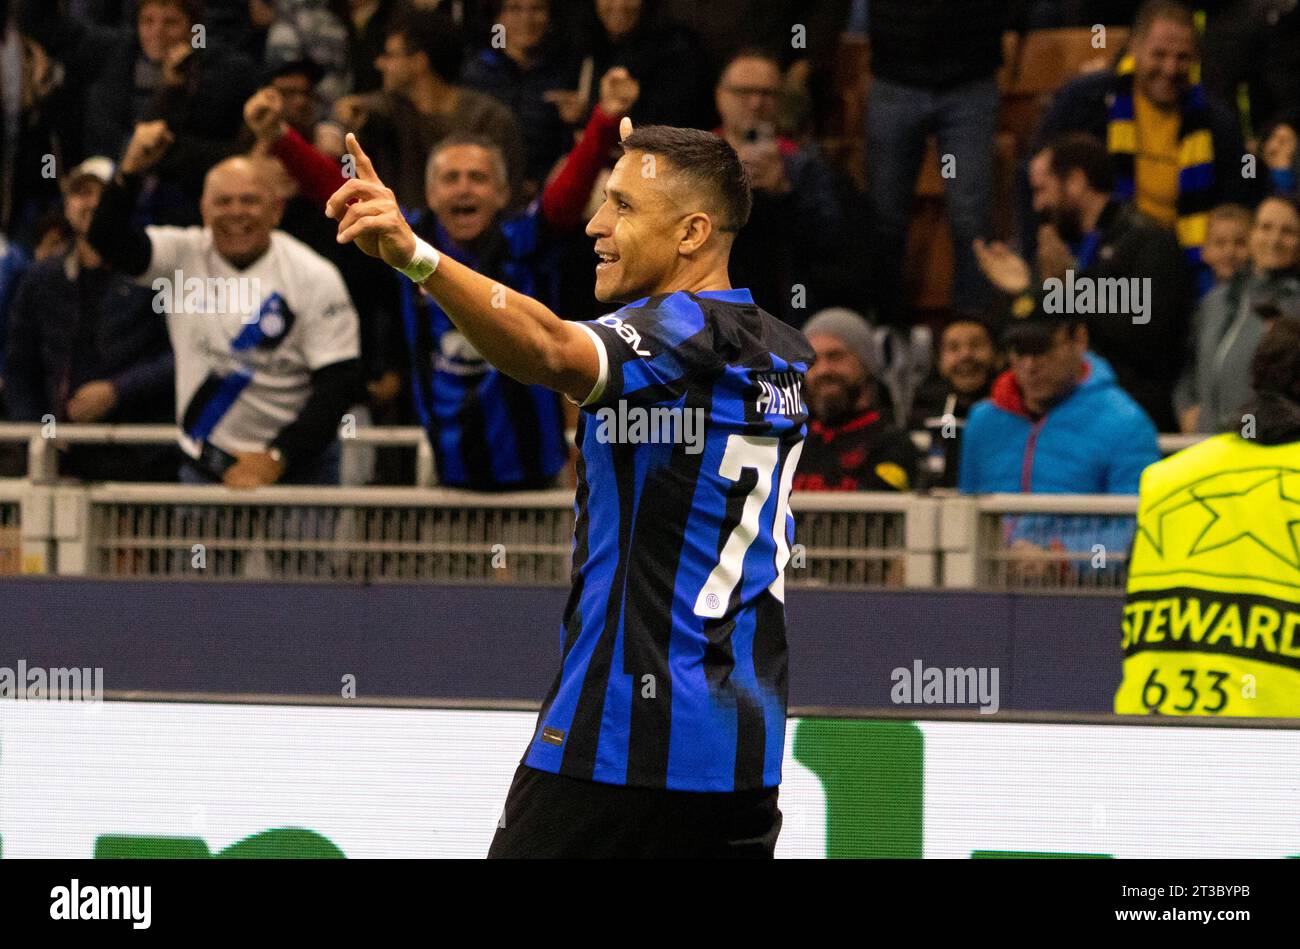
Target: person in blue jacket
(1057, 422)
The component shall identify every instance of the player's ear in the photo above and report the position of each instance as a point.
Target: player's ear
(697, 228)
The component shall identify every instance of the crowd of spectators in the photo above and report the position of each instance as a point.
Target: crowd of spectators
(148, 144)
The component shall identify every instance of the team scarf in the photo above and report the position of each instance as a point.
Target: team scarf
(1195, 157)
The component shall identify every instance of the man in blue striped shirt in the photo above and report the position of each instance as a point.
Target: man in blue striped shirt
(663, 733)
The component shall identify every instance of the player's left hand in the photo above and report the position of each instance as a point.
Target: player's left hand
(368, 213)
(252, 470)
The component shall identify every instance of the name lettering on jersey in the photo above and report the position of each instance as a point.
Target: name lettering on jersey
(780, 393)
(625, 424)
(628, 333)
(1247, 627)
(208, 295)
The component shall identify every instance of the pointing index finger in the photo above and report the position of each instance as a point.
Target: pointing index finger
(365, 170)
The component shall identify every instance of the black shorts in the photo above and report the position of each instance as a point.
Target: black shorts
(551, 815)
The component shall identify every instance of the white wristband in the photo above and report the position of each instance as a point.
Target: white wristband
(423, 263)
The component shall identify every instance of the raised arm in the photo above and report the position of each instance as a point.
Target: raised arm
(514, 332)
(565, 196)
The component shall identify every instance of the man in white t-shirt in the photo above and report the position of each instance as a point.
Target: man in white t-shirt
(265, 336)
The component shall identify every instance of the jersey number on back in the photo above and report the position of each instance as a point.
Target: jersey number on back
(762, 455)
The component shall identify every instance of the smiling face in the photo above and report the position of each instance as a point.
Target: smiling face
(837, 382)
(1275, 238)
(465, 190)
(240, 209)
(967, 358)
(637, 229)
(1163, 58)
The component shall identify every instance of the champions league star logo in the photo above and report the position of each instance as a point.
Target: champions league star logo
(1257, 506)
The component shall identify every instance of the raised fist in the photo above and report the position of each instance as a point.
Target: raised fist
(149, 142)
(618, 92)
(263, 113)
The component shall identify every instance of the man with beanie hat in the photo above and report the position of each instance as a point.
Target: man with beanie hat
(851, 445)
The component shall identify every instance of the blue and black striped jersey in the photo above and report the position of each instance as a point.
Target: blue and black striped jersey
(673, 638)
(488, 431)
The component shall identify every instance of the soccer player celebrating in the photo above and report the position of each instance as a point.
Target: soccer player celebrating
(664, 731)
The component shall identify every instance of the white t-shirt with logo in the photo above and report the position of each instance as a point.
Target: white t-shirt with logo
(263, 330)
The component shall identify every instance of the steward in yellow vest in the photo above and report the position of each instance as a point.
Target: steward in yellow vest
(1212, 621)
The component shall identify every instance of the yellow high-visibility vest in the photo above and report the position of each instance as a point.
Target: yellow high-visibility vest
(1212, 621)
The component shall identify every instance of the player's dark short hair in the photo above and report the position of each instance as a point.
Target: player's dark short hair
(1086, 153)
(434, 33)
(708, 162)
(1154, 10)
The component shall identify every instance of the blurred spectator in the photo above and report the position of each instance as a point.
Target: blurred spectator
(368, 21)
(666, 59)
(372, 286)
(1140, 331)
(264, 376)
(1057, 423)
(153, 70)
(933, 75)
(805, 36)
(1176, 150)
(1249, 60)
(312, 30)
(1227, 241)
(296, 83)
(1281, 157)
(85, 345)
(40, 117)
(968, 361)
(851, 446)
(788, 253)
(488, 431)
(1233, 318)
(421, 104)
(536, 78)
(51, 235)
